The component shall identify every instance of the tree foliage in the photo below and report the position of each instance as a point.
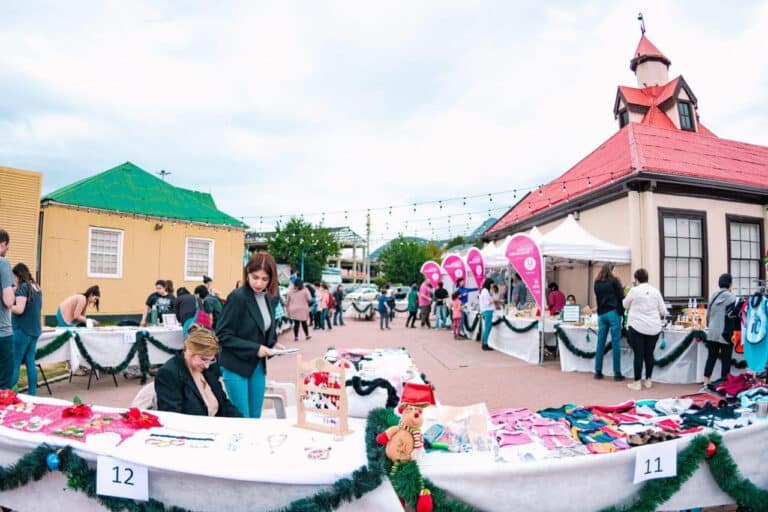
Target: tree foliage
(402, 259)
(288, 242)
(453, 242)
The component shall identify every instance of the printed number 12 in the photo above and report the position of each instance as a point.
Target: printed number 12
(127, 481)
(648, 466)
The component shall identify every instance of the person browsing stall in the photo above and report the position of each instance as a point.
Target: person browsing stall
(189, 383)
(425, 302)
(6, 324)
(519, 292)
(645, 307)
(413, 306)
(26, 325)
(246, 330)
(486, 309)
(610, 312)
(718, 347)
(441, 309)
(463, 291)
(160, 301)
(73, 307)
(297, 308)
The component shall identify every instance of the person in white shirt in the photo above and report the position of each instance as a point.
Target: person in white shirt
(645, 307)
(486, 309)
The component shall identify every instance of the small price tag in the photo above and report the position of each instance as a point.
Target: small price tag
(121, 479)
(657, 460)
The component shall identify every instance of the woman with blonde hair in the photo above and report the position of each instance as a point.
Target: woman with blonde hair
(188, 383)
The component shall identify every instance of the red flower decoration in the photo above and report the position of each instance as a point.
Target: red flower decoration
(78, 410)
(8, 397)
(139, 419)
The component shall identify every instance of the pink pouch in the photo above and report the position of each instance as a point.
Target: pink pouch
(506, 438)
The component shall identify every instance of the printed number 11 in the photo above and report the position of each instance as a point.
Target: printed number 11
(127, 481)
(648, 466)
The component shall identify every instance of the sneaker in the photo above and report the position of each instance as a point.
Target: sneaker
(486, 347)
(618, 378)
(647, 384)
(296, 339)
(635, 386)
(598, 375)
(308, 338)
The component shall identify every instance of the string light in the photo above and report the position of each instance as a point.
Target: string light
(564, 189)
(589, 182)
(464, 201)
(541, 191)
(611, 177)
(490, 198)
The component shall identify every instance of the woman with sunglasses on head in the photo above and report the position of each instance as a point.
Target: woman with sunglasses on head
(189, 383)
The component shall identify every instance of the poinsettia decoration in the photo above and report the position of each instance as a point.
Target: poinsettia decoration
(8, 397)
(77, 410)
(139, 419)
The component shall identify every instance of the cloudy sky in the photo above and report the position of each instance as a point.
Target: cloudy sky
(281, 108)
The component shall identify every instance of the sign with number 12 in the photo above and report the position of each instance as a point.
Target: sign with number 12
(655, 461)
(121, 479)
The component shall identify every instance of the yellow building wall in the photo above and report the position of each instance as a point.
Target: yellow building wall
(149, 254)
(19, 213)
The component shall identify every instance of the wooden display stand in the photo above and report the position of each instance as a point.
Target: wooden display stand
(340, 413)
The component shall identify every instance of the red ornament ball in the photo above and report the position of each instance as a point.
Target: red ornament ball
(711, 450)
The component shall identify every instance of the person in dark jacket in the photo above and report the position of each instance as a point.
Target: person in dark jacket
(338, 314)
(610, 312)
(185, 309)
(188, 383)
(246, 330)
(718, 347)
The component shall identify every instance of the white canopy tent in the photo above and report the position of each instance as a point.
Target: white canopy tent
(570, 241)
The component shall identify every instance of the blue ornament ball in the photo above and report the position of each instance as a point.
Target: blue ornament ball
(52, 460)
(663, 344)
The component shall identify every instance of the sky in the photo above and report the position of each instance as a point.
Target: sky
(283, 108)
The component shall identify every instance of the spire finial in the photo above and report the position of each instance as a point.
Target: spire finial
(642, 22)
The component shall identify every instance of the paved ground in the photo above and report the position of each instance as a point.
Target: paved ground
(461, 373)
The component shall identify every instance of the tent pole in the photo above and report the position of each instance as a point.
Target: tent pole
(589, 282)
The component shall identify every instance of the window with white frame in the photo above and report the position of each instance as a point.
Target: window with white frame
(683, 245)
(745, 245)
(198, 259)
(105, 253)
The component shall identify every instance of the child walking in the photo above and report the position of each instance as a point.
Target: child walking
(456, 315)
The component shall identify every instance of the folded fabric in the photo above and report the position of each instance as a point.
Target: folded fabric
(623, 407)
(702, 399)
(669, 406)
(735, 384)
(506, 438)
(554, 442)
(708, 416)
(749, 397)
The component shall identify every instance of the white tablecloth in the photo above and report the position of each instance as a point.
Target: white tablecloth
(589, 482)
(684, 370)
(522, 345)
(109, 346)
(236, 471)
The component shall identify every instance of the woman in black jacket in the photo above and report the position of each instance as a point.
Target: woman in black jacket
(246, 329)
(188, 383)
(610, 313)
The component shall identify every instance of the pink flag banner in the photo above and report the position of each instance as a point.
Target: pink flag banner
(454, 267)
(524, 255)
(476, 265)
(431, 271)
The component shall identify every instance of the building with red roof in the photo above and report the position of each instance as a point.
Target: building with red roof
(689, 204)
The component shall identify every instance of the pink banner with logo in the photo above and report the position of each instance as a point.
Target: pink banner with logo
(476, 265)
(431, 271)
(454, 267)
(524, 255)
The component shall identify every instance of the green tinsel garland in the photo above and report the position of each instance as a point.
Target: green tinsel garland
(467, 327)
(406, 480)
(364, 310)
(664, 361)
(506, 322)
(53, 346)
(110, 370)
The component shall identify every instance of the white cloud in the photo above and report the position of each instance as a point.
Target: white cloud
(280, 108)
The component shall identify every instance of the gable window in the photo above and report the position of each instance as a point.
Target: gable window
(623, 118)
(686, 118)
(683, 245)
(745, 245)
(105, 253)
(198, 259)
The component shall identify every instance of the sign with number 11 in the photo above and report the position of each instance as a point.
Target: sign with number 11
(655, 461)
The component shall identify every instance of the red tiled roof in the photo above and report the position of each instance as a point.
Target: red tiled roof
(646, 49)
(654, 95)
(655, 117)
(639, 147)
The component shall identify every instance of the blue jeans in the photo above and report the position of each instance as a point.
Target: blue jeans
(487, 325)
(441, 319)
(24, 348)
(246, 393)
(6, 362)
(609, 321)
(338, 316)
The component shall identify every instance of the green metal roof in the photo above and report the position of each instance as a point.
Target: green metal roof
(128, 188)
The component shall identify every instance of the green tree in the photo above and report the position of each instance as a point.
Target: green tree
(317, 244)
(433, 252)
(402, 259)
(453, 242)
